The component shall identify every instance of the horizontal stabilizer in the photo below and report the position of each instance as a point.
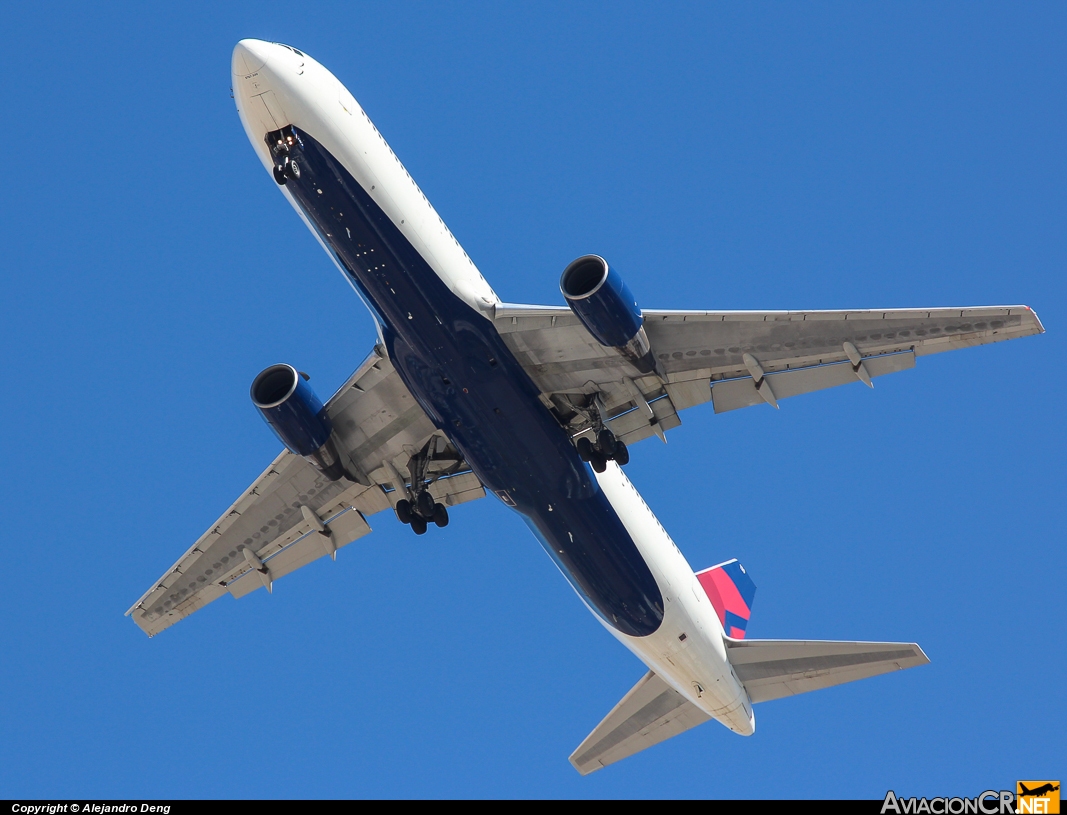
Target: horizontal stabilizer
(771, 669)
(651, 712)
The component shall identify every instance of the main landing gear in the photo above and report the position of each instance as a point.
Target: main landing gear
(417, 508)
(421, 513)
(607, 448)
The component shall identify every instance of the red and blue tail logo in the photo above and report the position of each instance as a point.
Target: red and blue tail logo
(731, 592)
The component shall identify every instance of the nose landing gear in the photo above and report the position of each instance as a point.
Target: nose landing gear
(285, 169)
(281, 143)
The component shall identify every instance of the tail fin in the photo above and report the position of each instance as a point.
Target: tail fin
(731, 592)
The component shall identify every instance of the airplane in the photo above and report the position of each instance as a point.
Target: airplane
(1039, 790)
(464, 395)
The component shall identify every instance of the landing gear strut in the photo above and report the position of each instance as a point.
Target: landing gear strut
(421, 510)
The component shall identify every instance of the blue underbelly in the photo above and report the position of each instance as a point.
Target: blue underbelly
(463, 375)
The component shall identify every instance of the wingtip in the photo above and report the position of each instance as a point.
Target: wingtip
(587, 770)
(922, 654)
(1037, 320)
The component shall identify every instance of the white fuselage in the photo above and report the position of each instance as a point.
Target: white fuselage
(275, 86)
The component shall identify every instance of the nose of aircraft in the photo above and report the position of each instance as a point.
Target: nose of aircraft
(249, 56)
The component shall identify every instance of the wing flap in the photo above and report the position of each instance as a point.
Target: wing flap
(636, 424)
(347, 526)
(264, 517)
(731, 394)
(651, 712)
(771, 669)
(457, 489)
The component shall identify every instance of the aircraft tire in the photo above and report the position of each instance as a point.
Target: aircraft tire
(425, 505)
(622, 455)
(279, 175)
(418, 525)
(585, 448)
(605, 442)
(403, 511)
(440, 515)
(599, 462)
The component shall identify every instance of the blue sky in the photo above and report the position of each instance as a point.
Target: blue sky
(720, 156)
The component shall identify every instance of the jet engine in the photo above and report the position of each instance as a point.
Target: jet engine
(297, 417)
(603, 302)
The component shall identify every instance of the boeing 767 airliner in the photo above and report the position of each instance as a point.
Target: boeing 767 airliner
(465, 394)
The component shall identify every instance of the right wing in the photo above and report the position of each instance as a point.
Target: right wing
(292, 514)
(771, 669)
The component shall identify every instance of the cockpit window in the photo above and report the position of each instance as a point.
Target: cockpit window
(283, 45)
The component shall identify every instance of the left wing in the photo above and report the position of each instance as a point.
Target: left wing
(733, 358)
(292, 514)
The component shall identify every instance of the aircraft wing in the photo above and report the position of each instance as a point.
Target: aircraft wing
(651, 712)
(292, 514)
(734, 359)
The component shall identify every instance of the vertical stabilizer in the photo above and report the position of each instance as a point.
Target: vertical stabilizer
(731, 592)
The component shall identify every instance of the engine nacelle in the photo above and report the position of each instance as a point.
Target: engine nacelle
(603, 302)
(297, 417)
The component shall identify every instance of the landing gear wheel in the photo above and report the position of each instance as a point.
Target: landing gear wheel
(585, 448)
(425, 505)
(292, 169)
(279, 175)
(598, 461)
(418, 525)
(403, 511)
(605, 441)
(440, 515)
(622, 455)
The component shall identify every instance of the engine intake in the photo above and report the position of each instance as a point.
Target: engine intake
(597, 294)
(297, 417)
